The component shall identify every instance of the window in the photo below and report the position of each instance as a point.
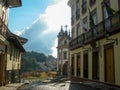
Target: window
(94, 16)
(72, 20)
(65, 55)
(72, 10)
(84, 6)
(119, 4)
(73, 33)
(92, 2)
(78, 29)
(65, 42)
(77, 9)
(85, 25)
(11, 53)
(14, 54)
(105, 16)
(72, 14)
(77, 4)
(18, 66)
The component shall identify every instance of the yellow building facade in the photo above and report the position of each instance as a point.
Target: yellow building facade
(14, 52)
(95, 44)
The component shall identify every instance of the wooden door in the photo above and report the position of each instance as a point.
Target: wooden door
(109, 65)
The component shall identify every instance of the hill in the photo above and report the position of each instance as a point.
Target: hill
(32, 61)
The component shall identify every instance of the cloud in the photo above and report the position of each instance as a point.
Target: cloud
(42, 34)
(54, 48)
(18, 33)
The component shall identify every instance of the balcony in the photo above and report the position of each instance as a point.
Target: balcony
(109, 26)
(12, 3)
(77, 42)
(4, 31)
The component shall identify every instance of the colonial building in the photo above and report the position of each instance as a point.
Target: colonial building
(13, 64)
(10, 45)
(95, 43)
(63, 51)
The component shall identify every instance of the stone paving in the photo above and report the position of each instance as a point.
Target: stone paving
(14, 86)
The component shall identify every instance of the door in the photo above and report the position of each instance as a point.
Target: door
(85, 63)
(65, 70)
(72, 65)
(78, 65)
(109, 64)
(95, 65)
(1, 71)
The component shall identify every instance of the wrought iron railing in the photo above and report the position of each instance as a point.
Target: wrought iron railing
(107, 26)
(4, 30)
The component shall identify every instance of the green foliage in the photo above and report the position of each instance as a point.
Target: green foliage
(40, 57)
(31, 59)
(29, 65)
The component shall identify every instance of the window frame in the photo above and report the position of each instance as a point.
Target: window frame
(65, 54)
(84, 6)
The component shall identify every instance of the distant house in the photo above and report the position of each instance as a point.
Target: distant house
(52, 74)
(44, 75)
(10, 46)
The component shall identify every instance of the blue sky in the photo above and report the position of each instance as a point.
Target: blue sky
(39, 21)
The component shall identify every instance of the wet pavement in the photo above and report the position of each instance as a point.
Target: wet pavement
(61, 83)
(57, 86)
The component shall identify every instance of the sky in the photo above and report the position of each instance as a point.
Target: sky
(40, 22)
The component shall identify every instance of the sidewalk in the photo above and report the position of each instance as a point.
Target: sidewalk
(14, 86)
(101, 86)
(95, 84)
(90, 83)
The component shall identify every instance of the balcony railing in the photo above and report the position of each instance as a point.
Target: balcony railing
(110, 26)
(4, 31)
(74, 43)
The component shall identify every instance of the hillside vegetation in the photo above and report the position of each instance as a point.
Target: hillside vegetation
(32, 61)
